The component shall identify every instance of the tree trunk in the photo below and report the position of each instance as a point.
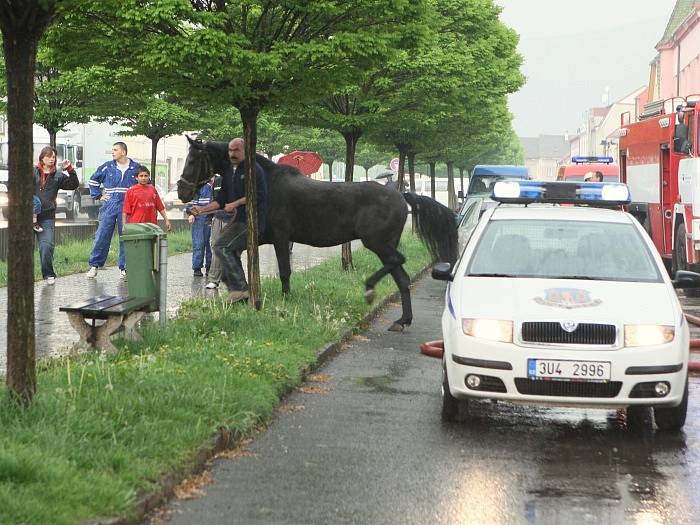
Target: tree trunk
(351, 139)
(412, 170)
(403, 150)
(154, 153)
(461, 180)
(451, 197)
(249, 116)
(432, 179)
(330, 171)
(52, 139)
(22, 24)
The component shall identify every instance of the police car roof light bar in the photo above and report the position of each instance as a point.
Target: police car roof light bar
(581, 159)
(599, 194)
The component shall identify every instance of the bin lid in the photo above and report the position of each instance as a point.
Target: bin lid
(142, 230)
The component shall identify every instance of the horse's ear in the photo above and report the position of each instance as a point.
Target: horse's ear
(195, 143)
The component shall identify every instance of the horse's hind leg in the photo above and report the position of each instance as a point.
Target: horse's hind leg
(403, 282)
(393, 264)
(285, 269)
(389, 263)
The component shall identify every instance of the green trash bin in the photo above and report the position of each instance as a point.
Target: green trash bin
(142, 247)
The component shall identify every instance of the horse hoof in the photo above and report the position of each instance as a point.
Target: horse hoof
(396, 327)
(369, 296)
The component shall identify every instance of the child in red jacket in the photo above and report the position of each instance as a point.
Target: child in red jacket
(141, 201)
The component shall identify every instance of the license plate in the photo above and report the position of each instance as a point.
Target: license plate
(568, 370)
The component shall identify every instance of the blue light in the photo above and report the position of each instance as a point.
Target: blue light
(580, 159)
(590, 193)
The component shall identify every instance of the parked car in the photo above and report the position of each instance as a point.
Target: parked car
(469, 214)
(485, 175)
(568, 304)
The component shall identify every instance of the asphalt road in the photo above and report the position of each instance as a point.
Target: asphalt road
(364, 444)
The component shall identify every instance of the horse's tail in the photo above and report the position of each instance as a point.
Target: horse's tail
(437, 226)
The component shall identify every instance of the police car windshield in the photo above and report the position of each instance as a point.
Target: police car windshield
(563, 250)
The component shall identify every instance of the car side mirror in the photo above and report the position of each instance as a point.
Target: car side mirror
(460, 194)
(685, 279)
(442, 271)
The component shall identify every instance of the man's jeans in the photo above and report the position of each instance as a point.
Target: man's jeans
(45, 240)
(228, 248)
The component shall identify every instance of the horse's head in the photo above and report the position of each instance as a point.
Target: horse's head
(198, 170)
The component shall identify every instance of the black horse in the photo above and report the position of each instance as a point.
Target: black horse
(320, 213)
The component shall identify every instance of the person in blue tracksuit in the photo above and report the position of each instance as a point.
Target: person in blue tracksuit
(201, 229)
(109, 184)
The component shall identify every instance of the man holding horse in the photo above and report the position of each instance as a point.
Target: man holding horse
(234, 238)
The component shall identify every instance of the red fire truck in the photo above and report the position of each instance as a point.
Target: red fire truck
(659, 162)
(579, 166)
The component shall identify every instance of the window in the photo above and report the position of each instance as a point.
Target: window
(564, 249)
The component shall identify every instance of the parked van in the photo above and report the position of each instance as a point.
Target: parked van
(441, 194)
(484, 175)
(579, 166)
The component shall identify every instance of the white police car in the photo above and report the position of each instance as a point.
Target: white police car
(568, 305)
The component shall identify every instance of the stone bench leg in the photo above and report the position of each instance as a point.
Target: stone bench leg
(130, 322)
(98, 336)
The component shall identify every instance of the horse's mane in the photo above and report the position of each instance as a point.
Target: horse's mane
(219, 153)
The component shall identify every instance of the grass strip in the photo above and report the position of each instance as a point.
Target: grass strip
(71, 256)
(103, 430)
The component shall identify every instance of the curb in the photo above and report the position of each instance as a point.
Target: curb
(224, 438)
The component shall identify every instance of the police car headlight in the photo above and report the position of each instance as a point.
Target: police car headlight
(491, 329)
(648, 334)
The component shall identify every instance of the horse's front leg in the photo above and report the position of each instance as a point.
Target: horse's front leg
(283, 265)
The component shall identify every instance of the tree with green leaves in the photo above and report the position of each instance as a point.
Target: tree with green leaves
(155, 117)
(22, 23)
(258, 54)
(475, 55)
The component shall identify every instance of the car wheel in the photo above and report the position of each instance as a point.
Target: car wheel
(450, 404)
(672, 418)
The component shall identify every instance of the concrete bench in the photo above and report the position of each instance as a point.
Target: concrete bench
(116, 311)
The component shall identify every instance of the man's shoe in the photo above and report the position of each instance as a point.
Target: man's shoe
(122, 274)
(198, 273)
(37, 227)
(50, 280)
(212, 286)
(236, 296)
(92, 272)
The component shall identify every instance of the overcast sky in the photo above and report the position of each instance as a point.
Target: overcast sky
(574, 51)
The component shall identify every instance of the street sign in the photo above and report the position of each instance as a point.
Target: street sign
(394, 165)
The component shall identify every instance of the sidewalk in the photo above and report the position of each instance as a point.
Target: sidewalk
(54, 335)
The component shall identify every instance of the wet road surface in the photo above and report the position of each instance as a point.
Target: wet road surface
(364, 443)
(54, 335)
